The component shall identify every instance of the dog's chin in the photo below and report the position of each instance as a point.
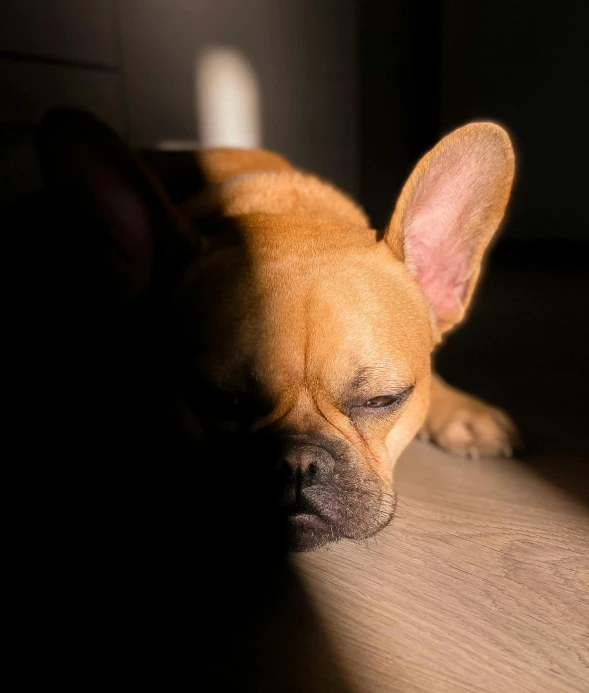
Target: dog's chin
(307, 531)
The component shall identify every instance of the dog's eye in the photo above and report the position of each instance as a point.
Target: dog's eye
(393, 401)
(381, 401)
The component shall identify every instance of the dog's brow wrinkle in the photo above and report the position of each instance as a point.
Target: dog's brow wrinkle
(361, 377)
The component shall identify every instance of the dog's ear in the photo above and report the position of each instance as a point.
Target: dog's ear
(448, 212)
(130, 228)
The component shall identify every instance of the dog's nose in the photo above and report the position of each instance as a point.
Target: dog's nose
(305, 465)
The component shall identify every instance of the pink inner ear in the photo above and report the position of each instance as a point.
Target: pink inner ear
(442, 273)
(439, 246)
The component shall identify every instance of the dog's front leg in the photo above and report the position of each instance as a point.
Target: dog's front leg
(467, 426)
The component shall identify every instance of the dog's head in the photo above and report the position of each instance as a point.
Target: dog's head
(298, 346)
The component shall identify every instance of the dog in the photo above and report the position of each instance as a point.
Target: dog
(293, 342)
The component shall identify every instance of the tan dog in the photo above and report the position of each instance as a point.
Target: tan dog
(308, 335)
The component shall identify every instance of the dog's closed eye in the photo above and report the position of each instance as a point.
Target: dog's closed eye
(389, 402)
(381, 401)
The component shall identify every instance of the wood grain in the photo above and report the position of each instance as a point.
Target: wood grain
(480, 584)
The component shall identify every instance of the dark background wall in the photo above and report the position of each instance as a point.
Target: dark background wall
(427, 67)
(526, 64)
(355, 91)
(133, 63)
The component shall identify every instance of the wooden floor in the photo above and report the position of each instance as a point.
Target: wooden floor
(480, 584)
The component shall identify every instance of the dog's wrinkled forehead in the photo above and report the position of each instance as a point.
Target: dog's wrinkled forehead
(302, 311)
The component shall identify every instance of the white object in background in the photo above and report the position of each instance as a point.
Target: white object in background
(227, 95)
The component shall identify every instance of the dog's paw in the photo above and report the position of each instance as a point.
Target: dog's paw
(466, 426)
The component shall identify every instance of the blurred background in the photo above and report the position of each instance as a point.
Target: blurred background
(357, 91)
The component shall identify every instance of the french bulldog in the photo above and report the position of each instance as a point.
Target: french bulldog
(295, 341)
